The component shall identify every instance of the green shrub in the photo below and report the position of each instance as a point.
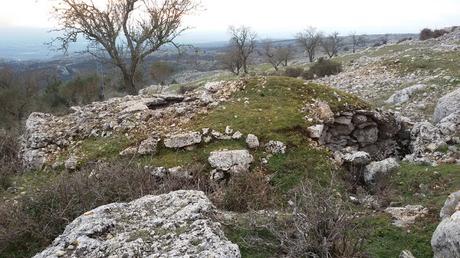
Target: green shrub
(323, 67)
(293, 72)
(430, 34)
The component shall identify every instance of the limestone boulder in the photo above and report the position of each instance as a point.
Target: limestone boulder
(170, 225)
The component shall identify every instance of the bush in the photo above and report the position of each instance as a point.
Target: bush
(319, 224)
(323, 67)
(35, 219)
(250, 191)
(430, 34)
(185, 88)
(293, 72)
(10, 164)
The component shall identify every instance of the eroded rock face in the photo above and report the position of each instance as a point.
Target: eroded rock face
(446, 238)
(430, 142)
(183, 140)
(447, 105)
(170, 225)
(233, 161)
(378, 169)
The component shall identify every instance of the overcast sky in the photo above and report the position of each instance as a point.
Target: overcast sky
(279, 18)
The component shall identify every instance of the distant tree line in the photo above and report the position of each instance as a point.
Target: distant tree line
(24, 92)
(243, 45)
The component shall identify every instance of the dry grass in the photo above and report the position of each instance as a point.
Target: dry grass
(32, 221)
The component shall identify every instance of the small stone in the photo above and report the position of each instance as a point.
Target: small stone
(275, 147)
(71, 164)
(237, 135)
(228, 130)
(252, 141)
(315, 131)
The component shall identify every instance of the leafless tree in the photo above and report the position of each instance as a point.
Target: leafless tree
(285, 54)
(231, 60)
(309, 40)
(331, 44)
(243, 40)
(128, 30)
(357, 41)
(270, 52)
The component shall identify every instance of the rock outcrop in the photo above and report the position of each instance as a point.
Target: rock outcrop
(46, 136)
(405, 94)
(170, 225)
(447, 105)
(446, 239)
(436, 143)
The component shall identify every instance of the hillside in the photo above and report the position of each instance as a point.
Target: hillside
(266, 166)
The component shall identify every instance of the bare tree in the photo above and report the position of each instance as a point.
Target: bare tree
(276, 55)
(231, 60)
(161, 72)
(357, 41)
(243, 40)
(285, 53)
(331, 44)
(270, 53)
(309, 40)
(128, 30)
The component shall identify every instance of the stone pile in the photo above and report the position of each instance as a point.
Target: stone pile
(381, 134)
(146, 114)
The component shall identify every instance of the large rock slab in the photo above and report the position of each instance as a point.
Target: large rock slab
(170, 225)
(446, 238)
(182, 140)
(447, 105)
(234, 161)
(378, 169)
(405, 94)
(451, 205)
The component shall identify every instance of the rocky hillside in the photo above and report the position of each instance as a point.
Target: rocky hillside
(408, 77)
(362, 167)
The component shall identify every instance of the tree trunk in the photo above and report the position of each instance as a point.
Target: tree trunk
(130, 86)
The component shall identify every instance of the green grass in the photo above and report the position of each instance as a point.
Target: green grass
(262, 247)
(384, 239)
(94, 149)
(172, 158)
(274, 107)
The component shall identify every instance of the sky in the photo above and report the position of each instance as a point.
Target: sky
(275, 18)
